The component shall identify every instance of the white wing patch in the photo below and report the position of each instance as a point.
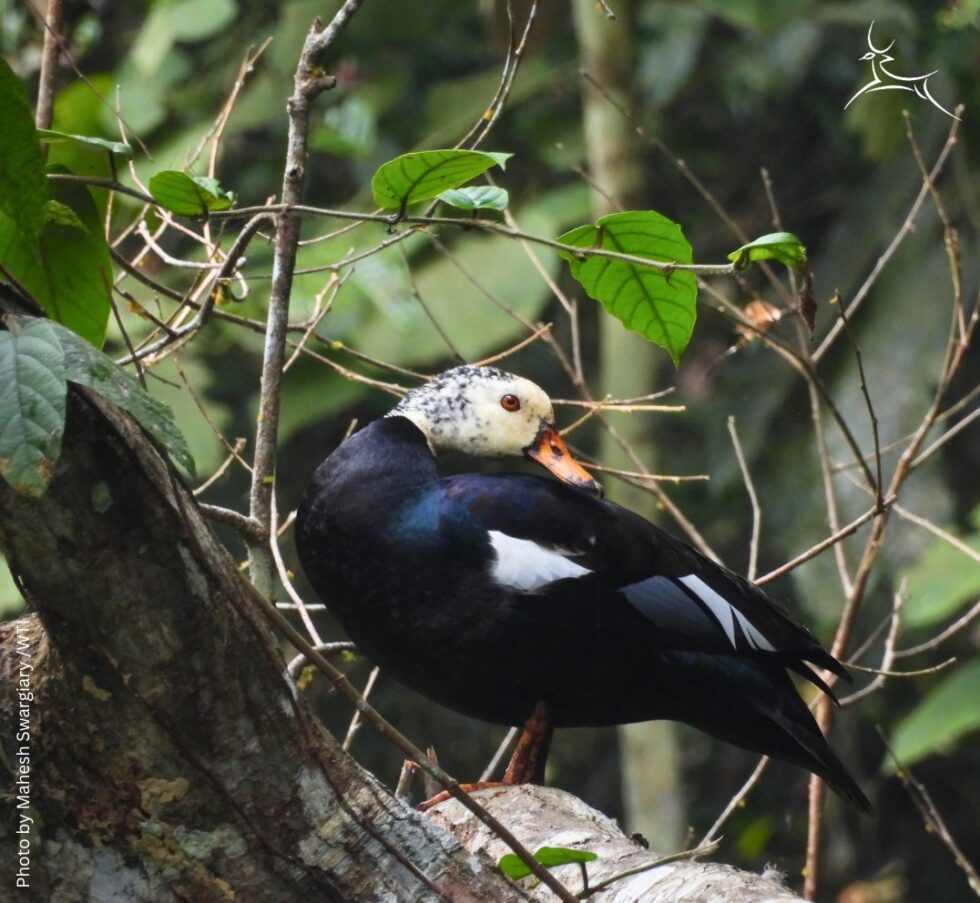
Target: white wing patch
(726, 614)
(524, 565)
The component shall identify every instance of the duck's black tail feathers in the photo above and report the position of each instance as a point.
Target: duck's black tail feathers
(809, 749)
(757, 707)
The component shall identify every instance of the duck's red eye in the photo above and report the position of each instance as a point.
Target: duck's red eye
(510, 403)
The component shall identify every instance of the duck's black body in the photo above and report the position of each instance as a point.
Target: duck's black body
(491, 594)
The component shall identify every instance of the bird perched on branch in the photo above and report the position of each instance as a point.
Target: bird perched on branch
(523, 600)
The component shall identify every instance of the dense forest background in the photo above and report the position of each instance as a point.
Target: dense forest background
(727, 106)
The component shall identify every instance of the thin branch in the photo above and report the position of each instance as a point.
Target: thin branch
(753, 498)
(935, 823)
(284, 577)
(355, 722)
(951, 433)
(888, 653)
(736, 801)
(297, 663)
(309, 82)
(815, 550)
(889, 252)
(248, 529)
(868, 403)
(498, 756)
(959, 624)
(49, 64)
(936, 530)
(233, 455)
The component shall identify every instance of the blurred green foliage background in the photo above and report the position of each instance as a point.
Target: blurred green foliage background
(729, 87)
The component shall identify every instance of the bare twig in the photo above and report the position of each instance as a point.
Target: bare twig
(498, 756)
(736, 800)
(297, 663)
(935, 823)
(868, 403)
(284, 577)
(309, 82)
(889, 252)
(824, 544)
(888, 654)
(940, 638)
(233, 455)
(355, 722)
(936, 530)
(753, 498)
(49, 64)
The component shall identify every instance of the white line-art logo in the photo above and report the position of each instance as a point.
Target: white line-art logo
(883, 79)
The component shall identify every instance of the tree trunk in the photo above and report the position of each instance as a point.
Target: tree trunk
(159, 752)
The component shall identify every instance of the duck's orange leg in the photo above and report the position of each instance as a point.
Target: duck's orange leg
(526, 765)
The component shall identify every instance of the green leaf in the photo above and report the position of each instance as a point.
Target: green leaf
(23, 186)
(658, 304)
(549, 857)
(942, 581)
(32, 404)
(69, 272)
(89, 367)
(946, 713)
(424, 175)
(476, 197)
(187, 195)
(116, 147)
(62, 215)
(782, 246)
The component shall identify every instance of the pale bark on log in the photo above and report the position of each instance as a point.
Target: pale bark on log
(546, 816)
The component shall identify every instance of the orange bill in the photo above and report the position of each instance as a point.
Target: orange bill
(550, 451)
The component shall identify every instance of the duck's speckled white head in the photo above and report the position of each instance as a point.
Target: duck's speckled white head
(491, 413)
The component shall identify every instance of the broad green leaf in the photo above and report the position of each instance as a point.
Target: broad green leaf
(942, 581)
(782, 246)
(187, 195)
(549, 857)
(62, 215)
(476, 197)
(116, 147)
(424, 175)
(69, 273)
(89, 367)
(946, 713)
(657, 304)
(23, 186)
(32, 404)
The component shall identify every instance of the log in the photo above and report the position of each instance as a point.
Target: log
(548, 817)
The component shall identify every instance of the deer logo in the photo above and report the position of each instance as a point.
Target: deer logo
(883, 79)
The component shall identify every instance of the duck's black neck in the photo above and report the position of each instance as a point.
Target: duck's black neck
(389, 452)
